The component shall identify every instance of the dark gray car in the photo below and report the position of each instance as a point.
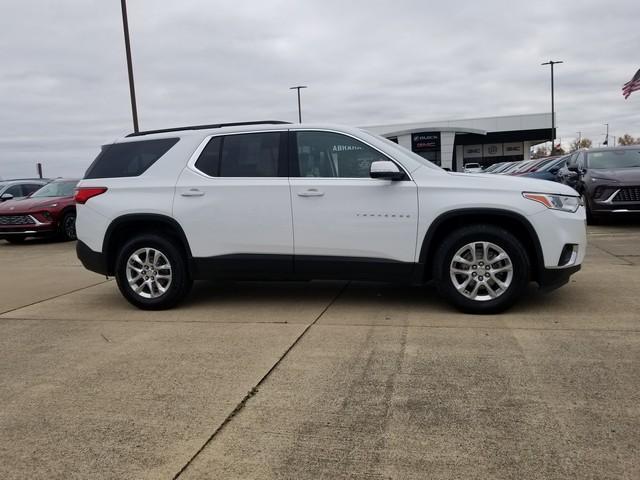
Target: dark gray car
(607, 178)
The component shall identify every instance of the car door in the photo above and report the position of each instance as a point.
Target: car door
(234, 205)
(347, 224)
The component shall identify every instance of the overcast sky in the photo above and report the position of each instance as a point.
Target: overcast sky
(64, 92)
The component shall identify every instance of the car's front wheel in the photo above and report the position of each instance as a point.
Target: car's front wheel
(481, 269)
(68, 226)
(152, 273)
(591, 218)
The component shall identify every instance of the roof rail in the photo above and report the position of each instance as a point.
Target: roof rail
(205, 127)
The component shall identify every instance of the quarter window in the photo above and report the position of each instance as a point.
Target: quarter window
(128, 159)
(209, 160)
(327, 154)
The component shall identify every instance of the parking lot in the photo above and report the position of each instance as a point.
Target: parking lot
(320, 379)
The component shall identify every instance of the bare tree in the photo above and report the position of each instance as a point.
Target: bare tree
(627, 139)
(540, 152)
(582, 143)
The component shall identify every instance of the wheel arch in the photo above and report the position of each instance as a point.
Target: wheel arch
(514, 222)
(126, 226)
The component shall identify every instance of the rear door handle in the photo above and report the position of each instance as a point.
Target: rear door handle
(312, 192)
(193, 192)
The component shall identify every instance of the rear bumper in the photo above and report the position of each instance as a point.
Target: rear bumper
(552, 278)
(94, 261)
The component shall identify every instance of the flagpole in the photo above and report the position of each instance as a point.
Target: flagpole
(127, 46)
(553, 109)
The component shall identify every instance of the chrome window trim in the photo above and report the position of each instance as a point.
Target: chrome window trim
(196, 154)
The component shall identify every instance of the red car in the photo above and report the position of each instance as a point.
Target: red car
(50, 211)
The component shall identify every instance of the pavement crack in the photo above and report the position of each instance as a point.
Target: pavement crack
(105, 338)
(53, 297)
(256, 388)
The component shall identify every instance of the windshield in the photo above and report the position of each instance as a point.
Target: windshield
(558, 162)
(56, 189)
(511, 168)
(614, 159)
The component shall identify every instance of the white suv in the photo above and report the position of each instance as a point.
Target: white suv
(270, 200)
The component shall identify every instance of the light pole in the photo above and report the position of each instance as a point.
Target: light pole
(127, 46)
(299, 108)
(553, 109)
(579, 139)
(606, 137)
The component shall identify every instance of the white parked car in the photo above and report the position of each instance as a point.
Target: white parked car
(472, 168)
(271, 200)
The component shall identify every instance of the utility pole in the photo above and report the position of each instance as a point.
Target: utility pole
(127, 46)
(553, 109)
(299, 107)
(606, 137)
(579, 139)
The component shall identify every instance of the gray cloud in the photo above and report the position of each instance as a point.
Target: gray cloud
(63, 85)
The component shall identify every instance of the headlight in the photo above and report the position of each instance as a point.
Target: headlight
(566, 203)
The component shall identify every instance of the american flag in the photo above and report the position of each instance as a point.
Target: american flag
(632, 85)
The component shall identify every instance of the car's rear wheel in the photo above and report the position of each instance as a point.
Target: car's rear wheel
(152, 273)
(68, 226)
(481, 269)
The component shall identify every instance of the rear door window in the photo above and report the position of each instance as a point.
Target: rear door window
(245, 155)
(128, 159)
(251, 155)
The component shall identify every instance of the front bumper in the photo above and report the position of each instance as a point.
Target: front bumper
(556, 230)
(27, 230)
(552, 278)
(615, 199)
(25, 225)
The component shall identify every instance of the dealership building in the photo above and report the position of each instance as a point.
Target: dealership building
(453, 143)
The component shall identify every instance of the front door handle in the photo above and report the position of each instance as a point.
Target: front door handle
(194, 192)
(312, 192)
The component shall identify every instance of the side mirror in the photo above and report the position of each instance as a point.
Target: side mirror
(385, 169)
(5, 197)
(572, 167)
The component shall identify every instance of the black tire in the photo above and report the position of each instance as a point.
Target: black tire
(482, 233)
(180, 283)
(67, 226)
(15, 240)
(591, 218)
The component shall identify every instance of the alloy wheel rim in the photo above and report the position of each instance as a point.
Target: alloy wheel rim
(481, 271)
(149, 273)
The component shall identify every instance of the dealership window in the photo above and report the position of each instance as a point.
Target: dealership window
(427, 145)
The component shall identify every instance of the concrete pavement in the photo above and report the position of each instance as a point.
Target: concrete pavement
(315, 380)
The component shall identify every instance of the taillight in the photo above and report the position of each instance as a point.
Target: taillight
(85, 193)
